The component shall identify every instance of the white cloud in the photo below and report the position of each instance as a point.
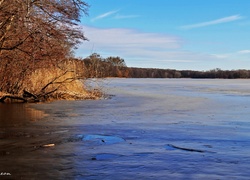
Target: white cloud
(244, 52)
(221, 56)
(129, 40)
(176, 61)
(105, 15)
(214, 22)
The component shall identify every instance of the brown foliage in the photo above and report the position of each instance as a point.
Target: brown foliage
(36, 34)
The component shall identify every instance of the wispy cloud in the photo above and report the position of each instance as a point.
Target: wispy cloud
(107, 14)
(114, 14)
(221, 56)
(214, 22)
(128, 40)
(176, 61)
(244, 52)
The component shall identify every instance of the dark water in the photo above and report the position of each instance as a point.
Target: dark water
(150, 129)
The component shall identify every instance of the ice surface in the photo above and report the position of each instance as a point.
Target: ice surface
(154, 129)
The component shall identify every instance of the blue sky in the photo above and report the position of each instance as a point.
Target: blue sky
(174, 34)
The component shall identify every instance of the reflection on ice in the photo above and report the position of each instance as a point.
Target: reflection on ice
(18, 114)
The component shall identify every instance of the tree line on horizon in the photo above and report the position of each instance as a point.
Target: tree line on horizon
(99, 67)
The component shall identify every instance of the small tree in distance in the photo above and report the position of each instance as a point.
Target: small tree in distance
(116, 61)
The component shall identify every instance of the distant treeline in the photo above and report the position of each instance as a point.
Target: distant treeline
(99, 67)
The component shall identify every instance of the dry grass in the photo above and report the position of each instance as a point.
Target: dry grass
(64, 81)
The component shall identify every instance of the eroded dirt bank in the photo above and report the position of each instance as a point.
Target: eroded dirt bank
(150, 129)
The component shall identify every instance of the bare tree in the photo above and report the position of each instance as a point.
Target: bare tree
(34, 34)
(116, 61)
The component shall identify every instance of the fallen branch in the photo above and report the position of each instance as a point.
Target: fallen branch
(53, 81)
(27, 94)
(188, 149)
(3, 98)
(45, 94)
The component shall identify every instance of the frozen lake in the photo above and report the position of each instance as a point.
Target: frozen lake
(149, 129)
